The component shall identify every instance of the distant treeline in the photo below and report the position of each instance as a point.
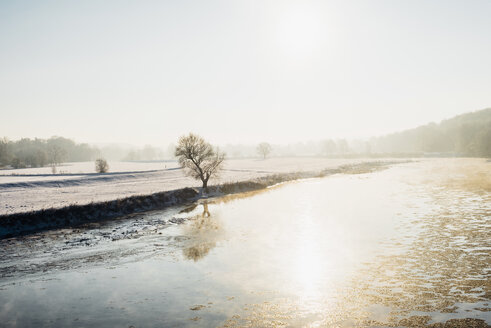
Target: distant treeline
(41, 152)
(56, 150)
(464, 135)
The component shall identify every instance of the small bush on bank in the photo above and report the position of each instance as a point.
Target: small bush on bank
(101, 165)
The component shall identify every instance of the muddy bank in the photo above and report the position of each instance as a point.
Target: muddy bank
(70, 216)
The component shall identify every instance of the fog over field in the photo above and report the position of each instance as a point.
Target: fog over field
(245, 163)
(464, 135)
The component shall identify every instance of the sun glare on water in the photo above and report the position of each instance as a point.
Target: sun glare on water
(314, 263)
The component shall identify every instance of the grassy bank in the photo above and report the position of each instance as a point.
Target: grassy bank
(70, 216)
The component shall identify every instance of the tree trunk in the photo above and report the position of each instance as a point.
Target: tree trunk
(205, 184)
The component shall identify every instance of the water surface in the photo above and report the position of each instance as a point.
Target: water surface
(405, 246)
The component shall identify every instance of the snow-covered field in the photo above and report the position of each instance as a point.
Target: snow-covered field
(79, 169)
(24, 190)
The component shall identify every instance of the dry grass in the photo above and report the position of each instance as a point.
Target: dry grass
(472, 174)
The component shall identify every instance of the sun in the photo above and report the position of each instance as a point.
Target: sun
(300, 30)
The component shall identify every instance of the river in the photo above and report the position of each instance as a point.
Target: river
(406, 246)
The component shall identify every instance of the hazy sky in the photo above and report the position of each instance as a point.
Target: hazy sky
(239, 71)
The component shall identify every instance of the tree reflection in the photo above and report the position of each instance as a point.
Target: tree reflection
(204, 232)
(206, 212)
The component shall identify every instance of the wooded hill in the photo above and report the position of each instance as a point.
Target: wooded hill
(463, 135)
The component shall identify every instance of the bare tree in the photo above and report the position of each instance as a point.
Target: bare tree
(329, 147)
(264, 149)
(101, 165)
(343, 147)
(5, 151)
(56, 155)
(198, 158)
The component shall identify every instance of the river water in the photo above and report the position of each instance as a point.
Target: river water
(405, 246)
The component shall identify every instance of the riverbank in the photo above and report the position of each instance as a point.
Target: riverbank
(28, 190)
(73, 215)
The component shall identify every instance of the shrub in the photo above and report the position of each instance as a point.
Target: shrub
(101, 165)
